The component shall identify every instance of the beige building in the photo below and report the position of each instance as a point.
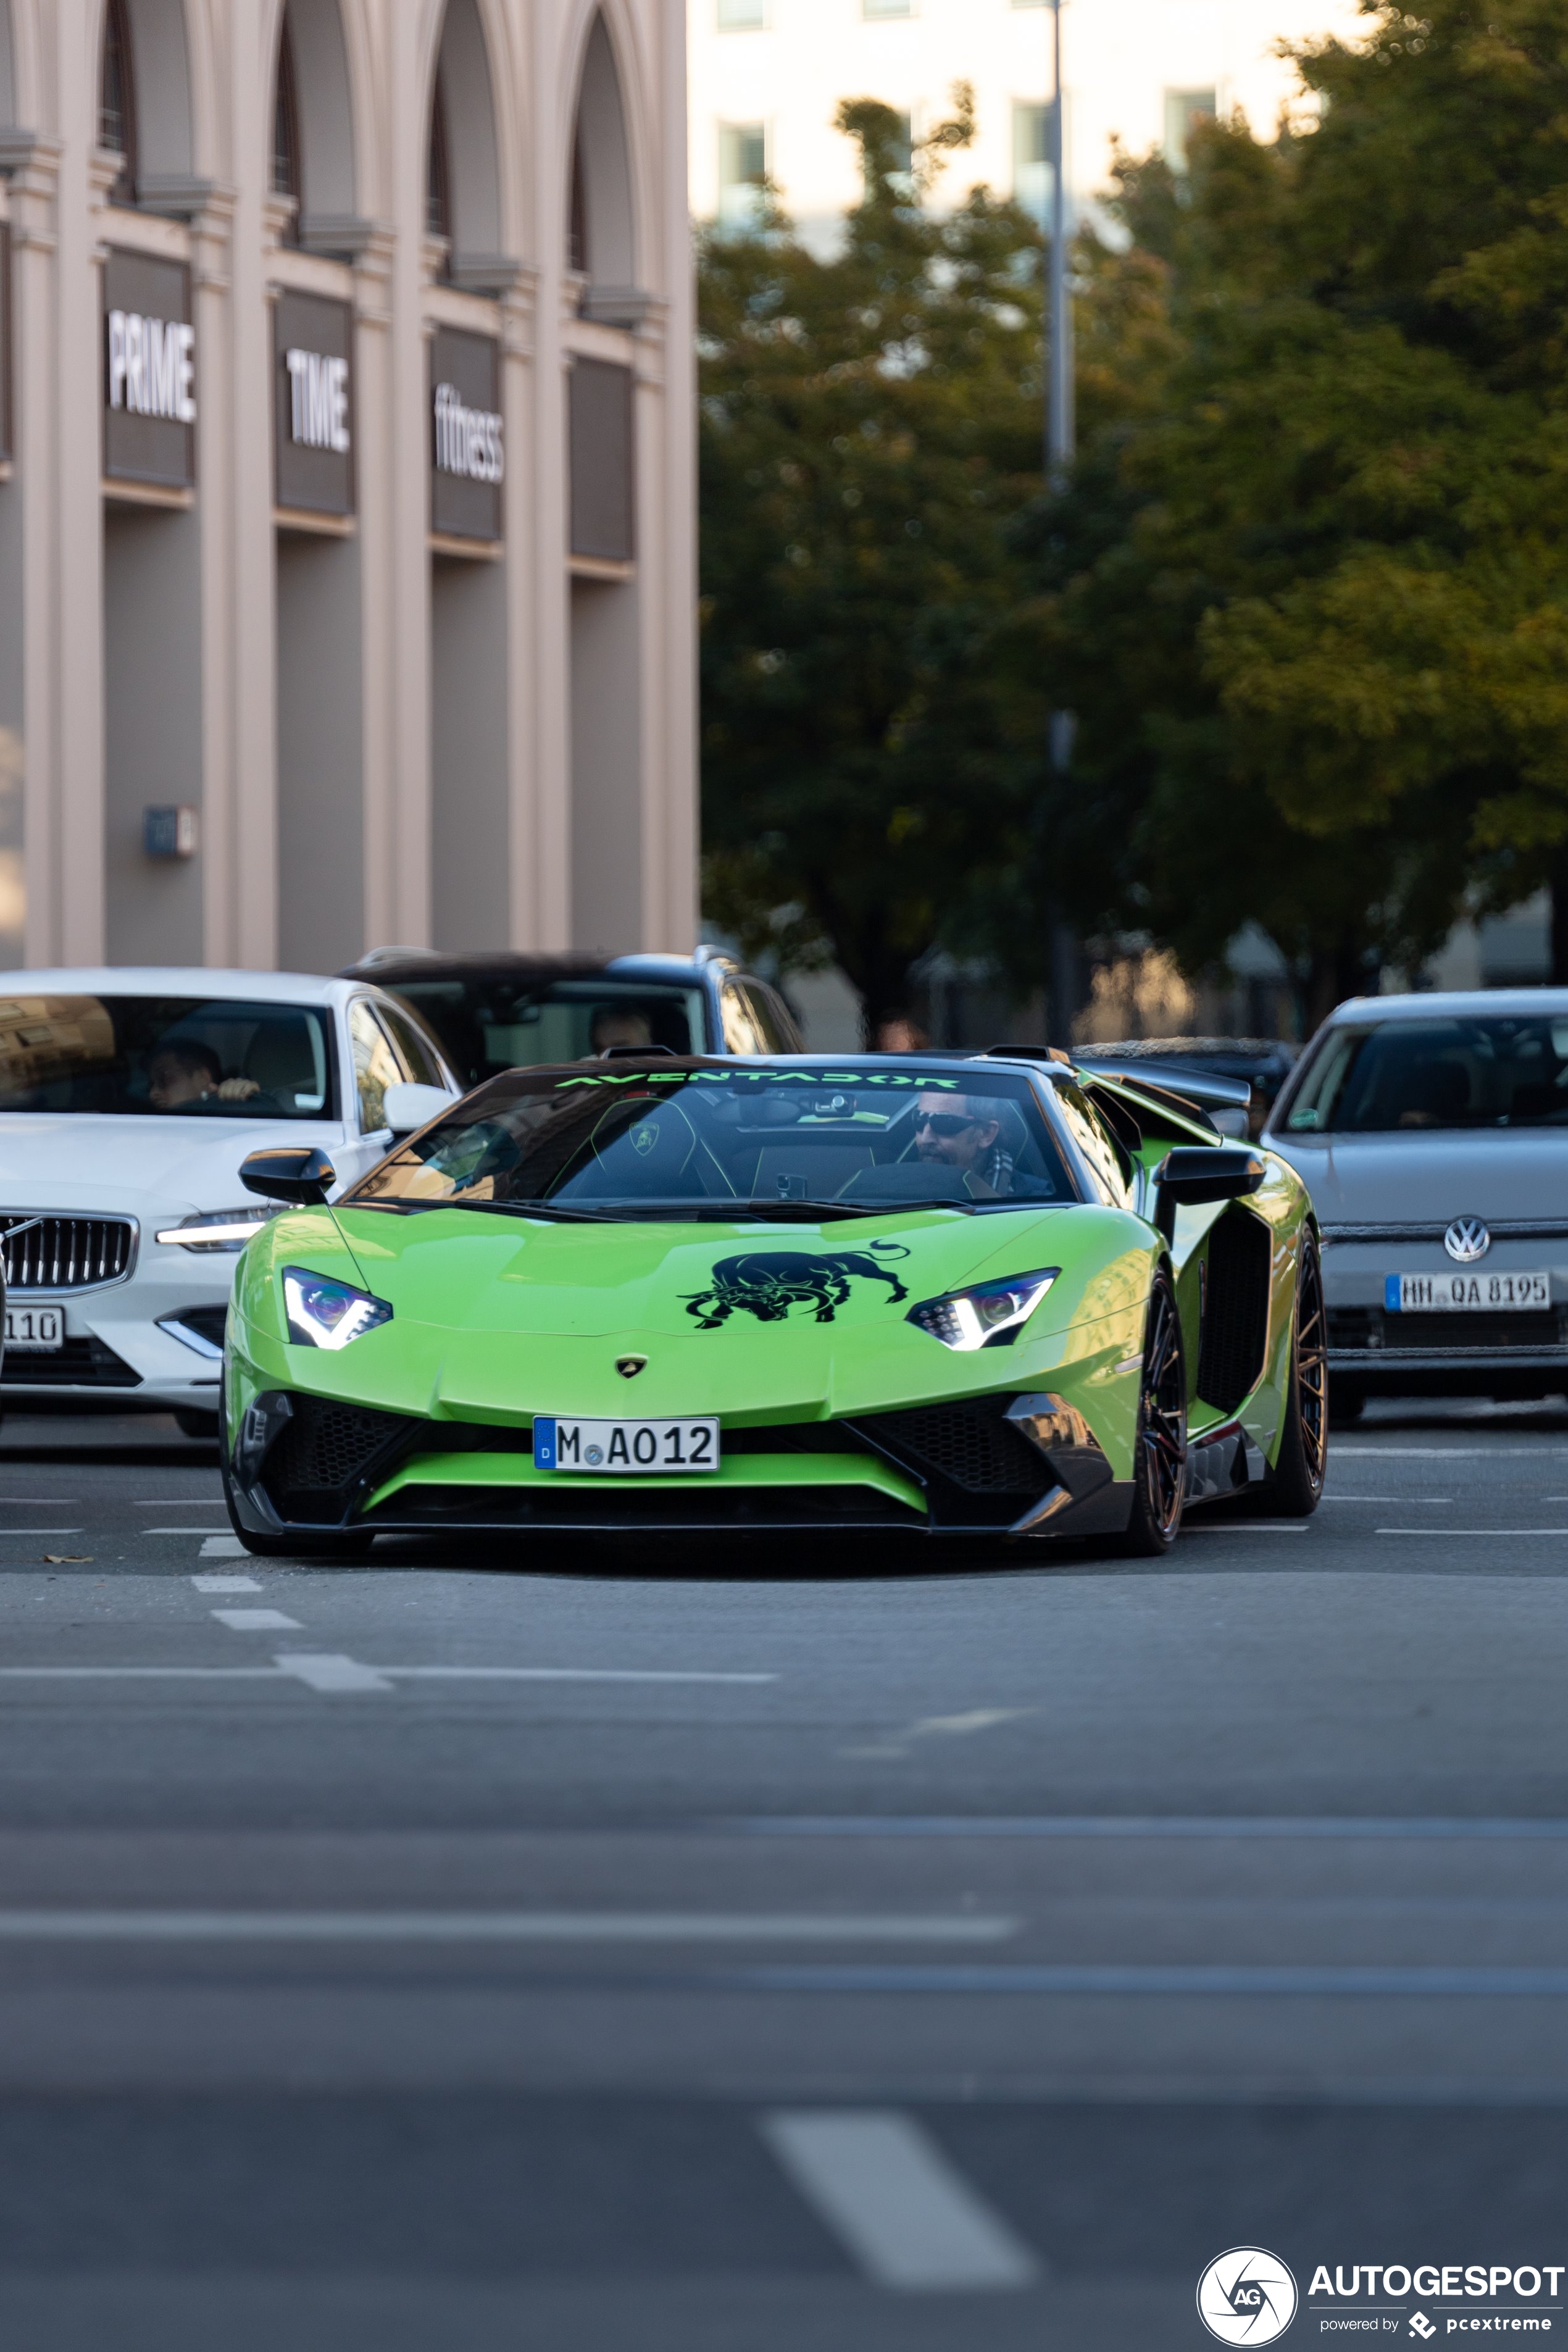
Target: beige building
(346, 478)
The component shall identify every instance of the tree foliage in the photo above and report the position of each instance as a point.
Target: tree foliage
(1308, 591)
(869, 427)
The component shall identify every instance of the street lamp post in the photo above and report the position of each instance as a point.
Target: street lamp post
(1060, 450)
(1059, 310)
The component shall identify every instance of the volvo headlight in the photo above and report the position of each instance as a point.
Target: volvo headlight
(221, 1229)
(327, 1314)
(989, 1315)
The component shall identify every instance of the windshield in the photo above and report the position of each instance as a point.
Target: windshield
(486, 1025)
(1501, 1070)
(635, 1141)
(175, 1056)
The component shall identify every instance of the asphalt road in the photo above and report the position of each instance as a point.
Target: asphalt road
(700, 1951)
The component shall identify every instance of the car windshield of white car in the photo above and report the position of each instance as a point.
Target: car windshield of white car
(1499, 1070)
(635, 1140)
(165, 1056)
(488, 1024)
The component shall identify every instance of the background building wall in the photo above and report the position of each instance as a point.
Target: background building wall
(364, 690)
(767, 76)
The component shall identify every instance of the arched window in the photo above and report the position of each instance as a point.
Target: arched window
(463, 180)
(287, 170)
(438, 167)
(601, 226)
(117, 101)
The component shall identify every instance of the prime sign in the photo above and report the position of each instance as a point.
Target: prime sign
(152, 366)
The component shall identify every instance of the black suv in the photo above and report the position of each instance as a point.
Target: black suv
(499, 1011)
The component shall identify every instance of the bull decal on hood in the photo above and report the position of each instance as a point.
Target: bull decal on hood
(767, 1283)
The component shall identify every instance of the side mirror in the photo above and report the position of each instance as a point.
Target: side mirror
(301, 1178)
(405, 1107)
(1194, 1173)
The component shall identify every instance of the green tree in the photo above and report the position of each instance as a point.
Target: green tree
(1308, 589)
(869, 425)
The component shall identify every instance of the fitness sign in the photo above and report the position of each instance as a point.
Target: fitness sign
(1248, 2296)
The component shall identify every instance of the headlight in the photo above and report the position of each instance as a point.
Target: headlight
(327, 1314)
(222, 1229)
(991, 1315)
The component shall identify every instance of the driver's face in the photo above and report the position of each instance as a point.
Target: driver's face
(171, 1082)
(960, 1149)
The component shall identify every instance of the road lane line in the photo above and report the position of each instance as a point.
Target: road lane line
(221, 1547)
(226, 1584)
(1473, 1532)
(41, 1531)
(323, 1668)
(1350, 1827)
(1222, 1981)
(885, 2190)
(499, 1927)
(1239, 1528)
(571, 1674)
(187, 1531)
(329, 1670)
(1343, 1453)
(258, 1621)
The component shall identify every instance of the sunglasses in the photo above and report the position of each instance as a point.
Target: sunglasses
(941, 1122)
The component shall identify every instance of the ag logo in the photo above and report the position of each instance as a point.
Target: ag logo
(1421, 2325)
(1247, 2296)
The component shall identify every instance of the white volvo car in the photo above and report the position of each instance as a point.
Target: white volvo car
(128, 1099)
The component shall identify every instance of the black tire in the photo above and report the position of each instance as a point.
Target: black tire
(1295, 1485)
(1160, 1451)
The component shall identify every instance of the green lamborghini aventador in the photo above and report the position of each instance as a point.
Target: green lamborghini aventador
(953, 1295)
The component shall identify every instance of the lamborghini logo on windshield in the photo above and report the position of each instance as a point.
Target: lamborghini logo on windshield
(768, 1283)
(643, 1140)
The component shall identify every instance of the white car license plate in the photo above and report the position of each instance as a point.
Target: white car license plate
(35, 1326)
(1442, 1293)
(625, 1446)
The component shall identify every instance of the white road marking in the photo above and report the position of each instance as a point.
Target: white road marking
(571, 1674)
(41, 1531)
(44, 1502)
(1351, 1827)
(499, 1928)
(883, 2188)
(178, 1502)
(226, 1584)
(328, 1670)
(1473, 1532)
(222, 1548)
(1421, 1501)
(189, 1532)
(258, 1621)
(1344, 1452)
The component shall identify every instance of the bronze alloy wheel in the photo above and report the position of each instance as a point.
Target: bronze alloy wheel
(1159, 1465)
(1296, 1481)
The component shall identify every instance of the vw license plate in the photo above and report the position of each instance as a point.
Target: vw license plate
(625, 1446)
(1437, 1294)
(35, 1326)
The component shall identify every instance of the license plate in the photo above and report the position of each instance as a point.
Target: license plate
(35, 1326)
(625, 1447)
(1442, 1293)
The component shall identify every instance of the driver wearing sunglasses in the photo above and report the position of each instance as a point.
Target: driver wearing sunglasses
(965, 1131)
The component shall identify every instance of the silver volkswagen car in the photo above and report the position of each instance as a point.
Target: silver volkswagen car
(1432, 1132)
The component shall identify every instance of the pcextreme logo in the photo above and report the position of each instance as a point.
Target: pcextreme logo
(1246, 2295)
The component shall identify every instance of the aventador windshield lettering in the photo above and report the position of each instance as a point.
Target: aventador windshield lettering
(637, 1141)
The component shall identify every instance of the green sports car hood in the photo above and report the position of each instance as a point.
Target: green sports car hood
(496, 1317)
